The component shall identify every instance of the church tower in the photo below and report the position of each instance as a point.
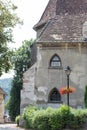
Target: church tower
(61, 41)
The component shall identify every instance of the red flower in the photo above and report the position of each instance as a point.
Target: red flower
(65, 90)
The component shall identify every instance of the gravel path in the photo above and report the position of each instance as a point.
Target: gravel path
(10, 127)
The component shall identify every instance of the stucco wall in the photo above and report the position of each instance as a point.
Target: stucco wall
(27, 93)
(39, 80)
(47, 79)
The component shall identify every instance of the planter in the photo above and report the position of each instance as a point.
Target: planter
(65, 90)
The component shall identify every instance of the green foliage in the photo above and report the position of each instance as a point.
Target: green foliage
(54, 119)
(21, 62)
(78, 119)
(8, 20)
(65, 112)
(21, 58)
(73, 118)
(17, 119)
(7, 105)
(28, 115)
(14, 102)
(85, 97)
(40, 120)
(5, 59)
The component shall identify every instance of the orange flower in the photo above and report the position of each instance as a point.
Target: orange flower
(65, 90)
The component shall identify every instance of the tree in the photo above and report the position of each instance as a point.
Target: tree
(85, 97)
(22, 62)
(14, 102)
(8, 20)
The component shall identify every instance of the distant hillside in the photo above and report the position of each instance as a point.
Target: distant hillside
(5, 84)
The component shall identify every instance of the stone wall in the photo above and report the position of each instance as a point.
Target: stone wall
(27, 93)
(40, 79)
(47, 78)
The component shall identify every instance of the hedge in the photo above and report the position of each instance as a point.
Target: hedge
(54, 119)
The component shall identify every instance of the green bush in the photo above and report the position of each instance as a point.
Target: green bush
(28, 116)
(41, 120)
(79, 118)
(65, 113)
(54, 119)
(17, 119)
(49, 119)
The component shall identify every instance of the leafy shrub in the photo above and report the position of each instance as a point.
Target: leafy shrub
(65, 113)
(54, 119)
(49, 119)
(17, 119)
(28, 115)
(41, 120)
(79, 118)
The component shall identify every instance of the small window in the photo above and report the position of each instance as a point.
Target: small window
(55, 61)
(54, 96)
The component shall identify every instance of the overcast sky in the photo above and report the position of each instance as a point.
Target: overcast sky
(30, 11)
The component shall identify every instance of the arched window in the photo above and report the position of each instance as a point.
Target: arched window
(55, 61)
(54, 96)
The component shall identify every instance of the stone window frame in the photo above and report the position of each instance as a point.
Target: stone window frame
(55, 59)
(57, 99)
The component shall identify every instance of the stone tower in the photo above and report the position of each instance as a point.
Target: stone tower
(61, 41)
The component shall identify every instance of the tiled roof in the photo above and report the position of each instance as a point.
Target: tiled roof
(71, 6)
(63, 20)
(66, 28)
(49, 12)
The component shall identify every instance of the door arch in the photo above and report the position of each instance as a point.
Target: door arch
(54, 96)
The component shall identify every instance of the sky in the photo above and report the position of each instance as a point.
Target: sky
(30, 11)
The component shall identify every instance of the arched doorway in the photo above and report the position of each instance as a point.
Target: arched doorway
(54, 96)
